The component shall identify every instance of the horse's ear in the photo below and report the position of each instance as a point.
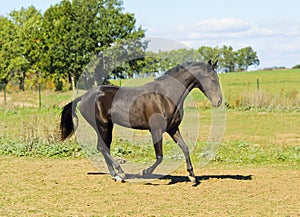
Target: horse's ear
(209, 62)
(215, 64)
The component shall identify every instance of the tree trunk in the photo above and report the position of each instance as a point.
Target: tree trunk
(21, 84)
(73, 82)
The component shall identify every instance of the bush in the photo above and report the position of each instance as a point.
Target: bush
(38, 149)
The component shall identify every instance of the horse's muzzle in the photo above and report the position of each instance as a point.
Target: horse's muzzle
(217, 103)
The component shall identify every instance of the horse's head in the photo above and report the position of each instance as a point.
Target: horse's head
(208, 82)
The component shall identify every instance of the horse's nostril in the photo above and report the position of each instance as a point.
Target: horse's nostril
(220, 102)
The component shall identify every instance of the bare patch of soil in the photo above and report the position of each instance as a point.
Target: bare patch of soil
(288, 138)
(56, 187)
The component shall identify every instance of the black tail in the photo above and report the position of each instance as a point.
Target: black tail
(66, 121)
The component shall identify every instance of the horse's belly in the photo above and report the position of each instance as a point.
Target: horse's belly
(126, 118)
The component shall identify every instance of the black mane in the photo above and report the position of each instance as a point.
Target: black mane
(184, 66)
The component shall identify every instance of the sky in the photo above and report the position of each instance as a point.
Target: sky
(270, 27)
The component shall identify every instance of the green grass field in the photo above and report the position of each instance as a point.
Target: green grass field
(262, 124)
(278, 89)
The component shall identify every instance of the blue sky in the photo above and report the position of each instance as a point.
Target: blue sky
(271, 27)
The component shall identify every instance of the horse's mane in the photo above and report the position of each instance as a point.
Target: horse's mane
(173, 72)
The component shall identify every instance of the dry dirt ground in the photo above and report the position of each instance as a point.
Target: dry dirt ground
(56, 187)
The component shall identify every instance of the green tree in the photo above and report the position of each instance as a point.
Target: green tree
(246, 57)
(7, 33)
(228, 59)
(56, 28)
(296, 66)
(19, 44)
(122, 59)
(209, 53)
(76, 31)
(164, 60)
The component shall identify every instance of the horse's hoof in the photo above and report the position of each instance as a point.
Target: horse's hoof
(121, 160)
(192, 179)
(141, 173)
(117, 178)
(122, 175)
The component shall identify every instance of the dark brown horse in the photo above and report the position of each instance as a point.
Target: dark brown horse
(156, 106)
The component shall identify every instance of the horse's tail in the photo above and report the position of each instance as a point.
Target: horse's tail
(66, 122)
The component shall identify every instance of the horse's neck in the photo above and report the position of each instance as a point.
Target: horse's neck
(177, 88)
(188, 85)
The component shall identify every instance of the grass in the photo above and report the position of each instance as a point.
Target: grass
(245, 152)
(278, 89)
(243, 141)
(262, 126)
(38, 149)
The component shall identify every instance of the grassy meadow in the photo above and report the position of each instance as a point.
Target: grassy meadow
(276, 89)
(262, 121)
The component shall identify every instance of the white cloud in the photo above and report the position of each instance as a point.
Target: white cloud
(280, 39)
(213, 28)
(164, 44)
(221, 25)
(229, 29)
(294, 46)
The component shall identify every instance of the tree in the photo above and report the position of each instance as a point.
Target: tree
(296, 66)
(209, 53)
(56, 28)
(246, 57)
(122, 59)
(164, 60)
(228, 59)
(27, 24)
(76, 31)
(19, 44)
(7, 34)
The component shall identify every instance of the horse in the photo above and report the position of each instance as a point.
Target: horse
(156, 106)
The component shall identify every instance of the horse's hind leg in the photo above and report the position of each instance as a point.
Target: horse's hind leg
(104, 142)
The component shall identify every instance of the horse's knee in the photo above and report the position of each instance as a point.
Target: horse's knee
(102, 148)
(159, 159)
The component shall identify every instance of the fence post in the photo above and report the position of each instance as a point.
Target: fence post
(4, 89)
(40, 96)
(257, 84)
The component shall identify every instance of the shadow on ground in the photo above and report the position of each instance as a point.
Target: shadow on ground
(178, 179)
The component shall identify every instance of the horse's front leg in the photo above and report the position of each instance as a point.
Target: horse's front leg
(157, 141)
(157, 125)
(176, 136)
